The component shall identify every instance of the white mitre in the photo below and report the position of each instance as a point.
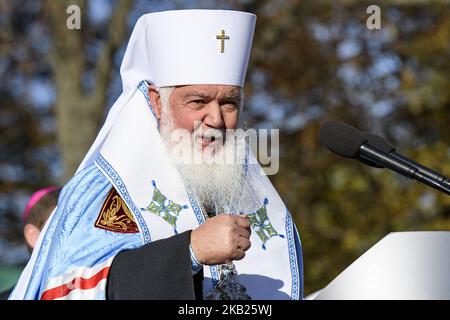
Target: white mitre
(185, 47)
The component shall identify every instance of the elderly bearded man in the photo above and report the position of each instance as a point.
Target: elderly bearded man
(135, 223)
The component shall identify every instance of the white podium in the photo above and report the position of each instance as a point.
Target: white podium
(403, 265)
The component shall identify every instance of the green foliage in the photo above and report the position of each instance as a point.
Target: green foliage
(9, 276)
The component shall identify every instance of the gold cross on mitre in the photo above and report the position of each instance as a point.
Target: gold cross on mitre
(222, 37)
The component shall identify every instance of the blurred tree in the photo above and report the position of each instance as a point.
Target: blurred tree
(27, 125)
(78, 107)
(53, 96)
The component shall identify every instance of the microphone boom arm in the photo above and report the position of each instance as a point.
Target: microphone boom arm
(398, 165)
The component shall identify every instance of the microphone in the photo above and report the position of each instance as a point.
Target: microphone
(384, 145)
(349, 142)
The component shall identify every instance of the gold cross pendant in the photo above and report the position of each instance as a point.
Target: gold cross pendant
(222, 37)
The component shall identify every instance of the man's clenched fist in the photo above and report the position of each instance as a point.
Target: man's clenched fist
(221, 239)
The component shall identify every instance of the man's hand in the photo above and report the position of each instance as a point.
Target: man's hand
(221, 239)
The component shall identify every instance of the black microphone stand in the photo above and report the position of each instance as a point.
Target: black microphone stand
(371, 153)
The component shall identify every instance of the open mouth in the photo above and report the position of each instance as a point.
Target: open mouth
(207, 140)
(209, 137)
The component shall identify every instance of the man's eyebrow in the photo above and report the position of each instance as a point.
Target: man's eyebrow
(196, 94)
(232, 96)
(229, 96)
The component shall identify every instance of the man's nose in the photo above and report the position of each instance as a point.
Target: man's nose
(214, 118)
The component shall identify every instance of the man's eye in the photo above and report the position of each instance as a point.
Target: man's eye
(198, 101)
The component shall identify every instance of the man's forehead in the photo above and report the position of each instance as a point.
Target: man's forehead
(209, 90)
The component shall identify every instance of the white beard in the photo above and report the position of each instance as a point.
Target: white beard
(219, 184)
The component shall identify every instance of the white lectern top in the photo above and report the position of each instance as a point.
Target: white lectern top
(403, 265)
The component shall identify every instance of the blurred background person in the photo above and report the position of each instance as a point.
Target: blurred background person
(37, 211)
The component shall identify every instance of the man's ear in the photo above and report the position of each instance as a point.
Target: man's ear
(31, 234)
(155, 100)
